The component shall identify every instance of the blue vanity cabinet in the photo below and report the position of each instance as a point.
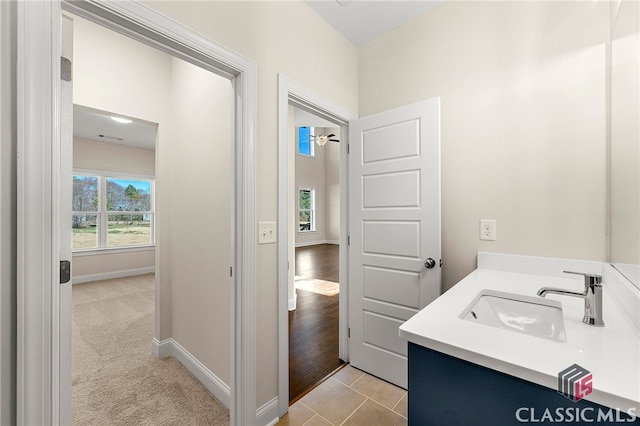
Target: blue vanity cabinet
(444, 390)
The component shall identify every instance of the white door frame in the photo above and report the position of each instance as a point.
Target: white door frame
(38, 171)
(292, 93)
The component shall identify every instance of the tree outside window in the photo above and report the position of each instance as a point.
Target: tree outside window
(85, 207)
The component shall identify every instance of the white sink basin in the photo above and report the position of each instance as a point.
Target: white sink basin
(530, 315)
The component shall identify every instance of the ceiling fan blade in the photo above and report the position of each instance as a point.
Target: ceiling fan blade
(334, 140)
(331, 135)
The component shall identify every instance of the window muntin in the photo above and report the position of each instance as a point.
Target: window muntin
(123, 212)
(306, 210)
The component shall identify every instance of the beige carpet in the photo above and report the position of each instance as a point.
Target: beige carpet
(115, 378)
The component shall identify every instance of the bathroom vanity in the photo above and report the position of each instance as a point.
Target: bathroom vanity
(464, 371)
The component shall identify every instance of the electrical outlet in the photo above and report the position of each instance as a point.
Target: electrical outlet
(488, 229)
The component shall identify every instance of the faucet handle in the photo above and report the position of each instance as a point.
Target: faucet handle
(589, 279)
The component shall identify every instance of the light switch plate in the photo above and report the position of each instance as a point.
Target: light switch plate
(266, 232)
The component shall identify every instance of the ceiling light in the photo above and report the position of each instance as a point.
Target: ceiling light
(322, 139)
(121, 120)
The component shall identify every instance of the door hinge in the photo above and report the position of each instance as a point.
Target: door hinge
(231, 271)
(65, 69)
(348, 148)
(349, 332)
(348, 240)
(65, 271)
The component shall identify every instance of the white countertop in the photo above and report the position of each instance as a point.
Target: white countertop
(611, 353)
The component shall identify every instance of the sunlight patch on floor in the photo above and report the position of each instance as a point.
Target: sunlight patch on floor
(326, 288)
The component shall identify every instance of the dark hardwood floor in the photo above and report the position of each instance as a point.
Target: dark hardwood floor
(319, 261)
(313, 325)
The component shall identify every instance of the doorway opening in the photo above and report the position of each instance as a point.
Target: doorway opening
(315, 219)
(293, 97)
(115, 234)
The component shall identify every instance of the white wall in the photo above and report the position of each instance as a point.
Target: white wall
(277, 36)
(113, 157)
(332, 189)
(201, 158)
(522, 88)
(625, 137)
(8, 218)
(130, 161)
(114, 264)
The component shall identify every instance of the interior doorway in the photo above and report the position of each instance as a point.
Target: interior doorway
(42, 370)
(115, 233)
(314, 223)
(293, 96)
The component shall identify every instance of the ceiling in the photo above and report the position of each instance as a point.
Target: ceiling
(97, 125)
(363, 20)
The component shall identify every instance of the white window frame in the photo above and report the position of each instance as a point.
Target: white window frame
(312, 210)
(102, 214)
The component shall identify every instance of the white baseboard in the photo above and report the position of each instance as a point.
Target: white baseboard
(217, 387)
(110, 275)
(315, 243)
(268, 414)
(161, 349)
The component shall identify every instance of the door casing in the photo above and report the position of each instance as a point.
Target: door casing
(38, 195)
(293, 93)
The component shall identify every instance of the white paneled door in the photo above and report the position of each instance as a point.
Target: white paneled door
(394, 230)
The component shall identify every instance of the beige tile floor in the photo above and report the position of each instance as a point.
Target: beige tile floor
(350, 397)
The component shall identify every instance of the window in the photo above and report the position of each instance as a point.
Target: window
(305, 144)
(111, 212)
(306, 210)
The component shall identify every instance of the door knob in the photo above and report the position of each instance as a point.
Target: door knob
(429, 263)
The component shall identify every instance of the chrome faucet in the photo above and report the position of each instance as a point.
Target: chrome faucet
(592, 296)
